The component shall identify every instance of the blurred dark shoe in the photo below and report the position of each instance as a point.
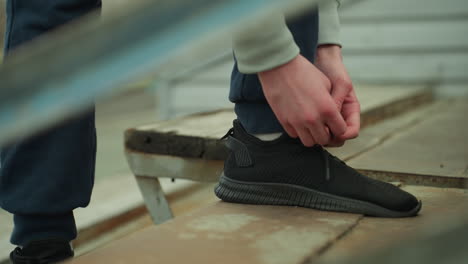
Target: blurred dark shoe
(42, 252)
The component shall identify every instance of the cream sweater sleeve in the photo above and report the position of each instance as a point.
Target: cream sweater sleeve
(329, 22)
(265, 45)
(268, 43)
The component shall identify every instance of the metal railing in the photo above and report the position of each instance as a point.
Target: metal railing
(62, 73)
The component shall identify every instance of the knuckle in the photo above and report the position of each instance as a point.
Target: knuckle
(310, 119)
(294, 122)
(322, 142)
(341, 130)
(328, 111)
(347, 84)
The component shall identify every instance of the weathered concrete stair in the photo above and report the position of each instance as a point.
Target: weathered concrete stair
(230, 233)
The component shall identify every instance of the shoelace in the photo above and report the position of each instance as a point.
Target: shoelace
(326, 158)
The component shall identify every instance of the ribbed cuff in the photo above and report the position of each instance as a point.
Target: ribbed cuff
(39, 227)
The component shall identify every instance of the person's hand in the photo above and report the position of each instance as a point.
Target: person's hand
(299, 95)
(329, 61)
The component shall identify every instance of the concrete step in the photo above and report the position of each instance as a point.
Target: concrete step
(255, 234)
(232, 233)
(374, 234)
(428, 147)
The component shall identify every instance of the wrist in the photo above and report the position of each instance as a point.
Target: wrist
(329, 51)
(282, 66)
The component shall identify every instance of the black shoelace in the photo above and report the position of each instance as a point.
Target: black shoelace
(326, 158)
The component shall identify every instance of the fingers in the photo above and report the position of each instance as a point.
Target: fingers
(320, 134)
(336, 123)
(352, 114)
(340, 89)
(302, 133)
(306, 137)
(353, 123)
(313, 129)
(335, 143)
(289, 129)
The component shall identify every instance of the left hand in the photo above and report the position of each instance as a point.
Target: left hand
(330, 62)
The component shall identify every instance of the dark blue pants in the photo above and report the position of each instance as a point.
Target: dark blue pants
(44, 178)
(251, 107)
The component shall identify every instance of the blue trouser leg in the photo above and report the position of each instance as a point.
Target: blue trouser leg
(246, 92)
(45, 177)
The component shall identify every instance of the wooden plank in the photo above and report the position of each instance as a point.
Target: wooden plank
(196, 136)
(203, 125)
(167, 166)
(155, 199)
(382, 102)
(436, 146)
(372, 234)
(230, 233)
(114, 203)
(196, 196)
(252, 234)
(152, 158)
(372, 137)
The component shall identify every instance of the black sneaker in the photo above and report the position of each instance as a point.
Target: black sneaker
(42, 252)
(285, 172)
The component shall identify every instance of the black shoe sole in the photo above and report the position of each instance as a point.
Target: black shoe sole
(26, 260)
(234, 191)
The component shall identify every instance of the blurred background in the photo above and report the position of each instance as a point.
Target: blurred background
(401, 42)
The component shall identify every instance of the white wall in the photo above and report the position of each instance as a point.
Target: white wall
(401, 42)
(408, 41)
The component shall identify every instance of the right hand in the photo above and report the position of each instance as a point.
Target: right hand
(299, 95)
